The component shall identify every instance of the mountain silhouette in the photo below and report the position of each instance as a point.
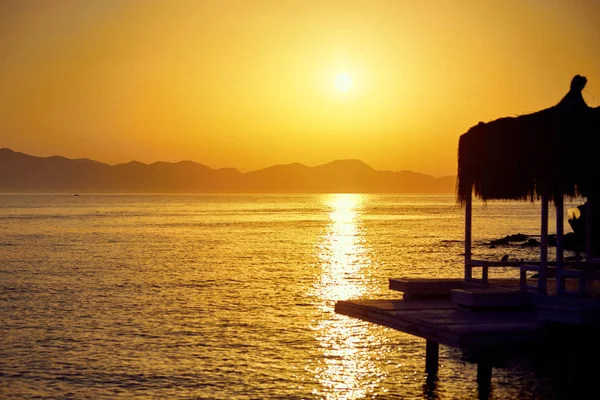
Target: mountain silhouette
(23, 173)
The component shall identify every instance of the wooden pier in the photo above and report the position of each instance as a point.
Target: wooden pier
(478, 318)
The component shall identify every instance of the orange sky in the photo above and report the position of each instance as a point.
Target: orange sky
(250, 83)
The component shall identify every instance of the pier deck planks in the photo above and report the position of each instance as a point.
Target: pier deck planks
(440, 321)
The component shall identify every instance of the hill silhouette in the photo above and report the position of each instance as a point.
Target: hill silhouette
(23, 173)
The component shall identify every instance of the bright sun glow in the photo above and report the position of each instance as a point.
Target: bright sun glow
(343, 82)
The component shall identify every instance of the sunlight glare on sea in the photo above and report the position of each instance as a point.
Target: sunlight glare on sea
(348, 369)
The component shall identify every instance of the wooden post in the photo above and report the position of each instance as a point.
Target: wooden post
(484, 378)
(484, 272)
(589, 253)
(560, 216)
(581, 354)
(432, 355)
(468, 216)
(543, 273)
(430, 389)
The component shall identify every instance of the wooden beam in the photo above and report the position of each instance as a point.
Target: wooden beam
(543, 273)
(560, 216)
(468, 217)
(589, 252)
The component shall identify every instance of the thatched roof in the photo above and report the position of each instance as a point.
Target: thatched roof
(555, 150)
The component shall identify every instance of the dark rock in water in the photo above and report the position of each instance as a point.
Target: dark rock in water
(531, 242)
(518, 237)
(499, 242)
(571, 241)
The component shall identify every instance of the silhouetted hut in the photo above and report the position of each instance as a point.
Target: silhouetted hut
(546, 155)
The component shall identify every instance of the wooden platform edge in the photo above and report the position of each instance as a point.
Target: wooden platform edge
(461, 335)
(350, 309)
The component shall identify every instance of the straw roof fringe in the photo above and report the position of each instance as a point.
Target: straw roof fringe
(554, 150)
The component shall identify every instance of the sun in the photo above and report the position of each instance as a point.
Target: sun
(343, 82)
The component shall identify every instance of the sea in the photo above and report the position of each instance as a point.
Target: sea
(232, 296)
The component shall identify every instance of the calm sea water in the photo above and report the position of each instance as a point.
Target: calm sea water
(232, 297)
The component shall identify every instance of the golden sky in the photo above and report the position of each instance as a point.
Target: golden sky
(251, 83)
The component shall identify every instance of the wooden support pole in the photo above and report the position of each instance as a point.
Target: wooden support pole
(560, 216)
(430, 389)
(580, 375)
(484, 378)
(589, 253)
(432, 355)
(468, 217)
(543, 273)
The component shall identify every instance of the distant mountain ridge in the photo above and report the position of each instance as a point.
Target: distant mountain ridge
(23, 173)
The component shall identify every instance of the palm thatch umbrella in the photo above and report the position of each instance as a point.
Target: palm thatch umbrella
(548, 154)
(553, 151)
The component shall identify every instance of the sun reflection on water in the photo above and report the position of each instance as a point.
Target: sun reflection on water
(347, 368)
(342, 254)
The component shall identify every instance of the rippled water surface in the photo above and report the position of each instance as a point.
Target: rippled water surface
(232, 297)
